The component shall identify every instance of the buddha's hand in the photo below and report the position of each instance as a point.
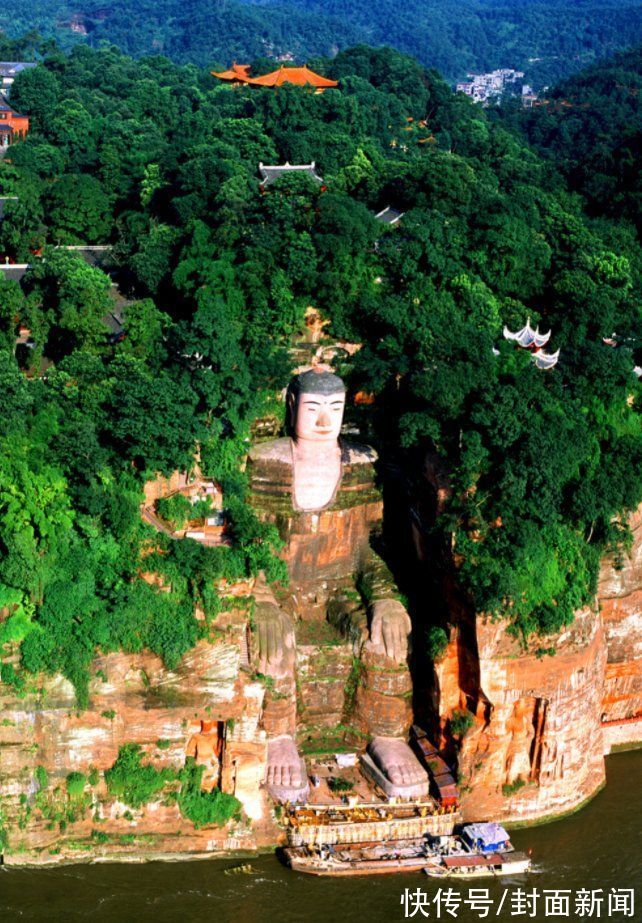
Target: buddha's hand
(390, 629)
(275, 640)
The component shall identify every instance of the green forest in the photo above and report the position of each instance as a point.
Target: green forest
(592, 129)
(549, 40)
(161, 161)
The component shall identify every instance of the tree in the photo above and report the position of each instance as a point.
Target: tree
(78, 210)
(152, 418)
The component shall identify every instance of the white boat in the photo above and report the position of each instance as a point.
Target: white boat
(479, 851)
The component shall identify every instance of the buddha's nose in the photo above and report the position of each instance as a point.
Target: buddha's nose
(323, 420)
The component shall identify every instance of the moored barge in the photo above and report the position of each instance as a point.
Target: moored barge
(359, 859)
(480, 850)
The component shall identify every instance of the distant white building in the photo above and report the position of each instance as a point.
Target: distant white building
(484, 87)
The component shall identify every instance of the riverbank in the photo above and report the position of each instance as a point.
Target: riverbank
(575, 852)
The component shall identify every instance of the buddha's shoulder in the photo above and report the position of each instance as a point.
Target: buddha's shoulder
(356, 453)
(276, 450)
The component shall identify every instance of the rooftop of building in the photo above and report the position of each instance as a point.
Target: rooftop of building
(270, 173)
(239, 72)
(11, 68)
(6, 107)
(297, 76)
(389, 215)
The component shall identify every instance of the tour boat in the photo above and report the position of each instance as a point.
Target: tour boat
(480, 850)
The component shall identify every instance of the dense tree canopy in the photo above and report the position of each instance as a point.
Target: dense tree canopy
(161, 162)
(591, 127)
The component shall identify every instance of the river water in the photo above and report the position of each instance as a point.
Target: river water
(600, 847)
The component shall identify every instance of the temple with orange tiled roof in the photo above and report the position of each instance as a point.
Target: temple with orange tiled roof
(297, 76)
(237, 74)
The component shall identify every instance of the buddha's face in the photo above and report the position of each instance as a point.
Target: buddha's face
(318, 417)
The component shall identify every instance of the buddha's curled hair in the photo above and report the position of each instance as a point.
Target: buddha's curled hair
(313, 382)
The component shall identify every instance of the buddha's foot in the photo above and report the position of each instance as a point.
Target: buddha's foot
(285, 775)
(395, 768)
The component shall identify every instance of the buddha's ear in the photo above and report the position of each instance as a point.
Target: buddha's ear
(291, 415)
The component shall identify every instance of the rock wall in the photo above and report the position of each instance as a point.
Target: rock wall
(535, 747)
(133, 699)
(620, 597)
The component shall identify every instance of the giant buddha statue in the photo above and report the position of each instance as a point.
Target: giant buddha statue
(320, 491)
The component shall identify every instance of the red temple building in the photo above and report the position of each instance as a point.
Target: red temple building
(12, 124)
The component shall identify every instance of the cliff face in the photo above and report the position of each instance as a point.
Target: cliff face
(133, 699)
(535, 746)
(620, 597)
(540, 724)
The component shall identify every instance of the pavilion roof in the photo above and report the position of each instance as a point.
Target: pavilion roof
(239, 72)
(299, 76)
(270, 173)
(545, 360)
(527, 337)
(389, 215)
(11, 68)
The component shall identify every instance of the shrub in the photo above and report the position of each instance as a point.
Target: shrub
(41, 776)
(163, 744)
(460, 721)
(75, 783)
(175, 510)
(11, 677)
(135, 782)
(204, 808)
(339, 784)
(436, 642)
(511, 787)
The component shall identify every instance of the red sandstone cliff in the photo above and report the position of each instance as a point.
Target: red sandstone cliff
(133, 699)
(620, 598)
(535, 748)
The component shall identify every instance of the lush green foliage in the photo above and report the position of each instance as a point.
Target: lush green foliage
(41, 776)
(75, 783)
(592, 129)
(460, 722)
(339, 784)
(136, 783)
(203, 808)
(436, 642)
(133, 781)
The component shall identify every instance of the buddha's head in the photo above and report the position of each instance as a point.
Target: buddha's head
(317, 401)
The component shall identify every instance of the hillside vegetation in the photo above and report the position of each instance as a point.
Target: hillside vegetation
(592, 129)
(548, 38)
